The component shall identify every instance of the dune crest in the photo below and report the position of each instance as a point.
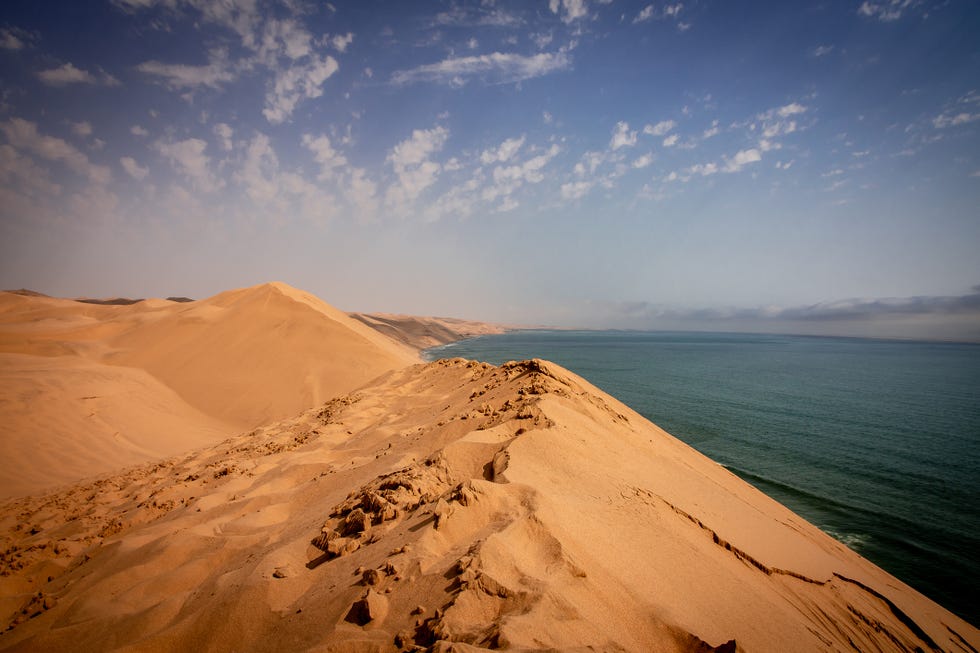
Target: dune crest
(454, 506)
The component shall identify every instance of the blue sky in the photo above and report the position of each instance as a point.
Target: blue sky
(810, 167)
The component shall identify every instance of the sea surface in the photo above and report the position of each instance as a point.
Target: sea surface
(876, 442)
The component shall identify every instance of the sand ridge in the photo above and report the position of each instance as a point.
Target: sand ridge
(449, 506)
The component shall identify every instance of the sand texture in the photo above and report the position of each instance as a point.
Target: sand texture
(452, 506)
(87, 388)
(425, 332)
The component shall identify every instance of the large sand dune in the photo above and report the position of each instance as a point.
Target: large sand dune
(86, 388)
(453, 506)
(450, 506)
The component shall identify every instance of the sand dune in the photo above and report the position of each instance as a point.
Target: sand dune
(453, 506)
(425, 332)
(312, 488)
(89, 387)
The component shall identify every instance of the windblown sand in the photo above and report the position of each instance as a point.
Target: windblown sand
(453, 506)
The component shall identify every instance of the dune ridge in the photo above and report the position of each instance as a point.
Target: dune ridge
(453, 506)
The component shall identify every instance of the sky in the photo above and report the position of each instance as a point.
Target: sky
(764, 166)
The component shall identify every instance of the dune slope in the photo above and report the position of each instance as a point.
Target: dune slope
(87, 388)
(450, 506)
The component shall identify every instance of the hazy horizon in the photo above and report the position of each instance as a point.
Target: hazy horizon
(576, 163)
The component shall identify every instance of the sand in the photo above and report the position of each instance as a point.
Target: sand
(86, 388)
(450, 506)
(424, 332)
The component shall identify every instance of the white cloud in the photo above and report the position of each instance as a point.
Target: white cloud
(182, 76)
(774, 123)
(504, 152)
(283, 194)
(742, 159)
(83, 128)
(822, 50)
(649, 13)
(790, 110)
(324, 154)
(224, 132)
(497, 67)
(411, 162)
(20, 172)
(542, 39)
(590, 163)
(713, 130)
(953, 119)
(643, 161)
(886, 11)
(963, 111)
(784, 165)
(509, 204)
(575, 190)
(622, 136)
(136, 130)
(529, 171)
(283, 37)
(259, 171)
(341, 41)
(670, 141)
(133, 169)
(569, 10)
(69, 74)
(547, 117)
(660, 128)
(23, 135)
(12, 38)
(189, 159)
(645, 14)
(297, 83)
(703, 169)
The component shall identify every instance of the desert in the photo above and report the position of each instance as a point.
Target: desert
(337, 494)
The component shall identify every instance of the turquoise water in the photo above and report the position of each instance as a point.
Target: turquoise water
(876, 442)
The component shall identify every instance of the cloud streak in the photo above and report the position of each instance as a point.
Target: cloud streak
(497, 67)
(950, 316)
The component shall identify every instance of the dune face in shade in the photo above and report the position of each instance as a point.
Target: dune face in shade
(87, 388)
(452, 506)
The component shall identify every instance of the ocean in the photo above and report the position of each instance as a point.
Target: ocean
(876, 442)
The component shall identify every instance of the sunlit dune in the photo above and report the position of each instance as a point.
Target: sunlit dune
(449, 506)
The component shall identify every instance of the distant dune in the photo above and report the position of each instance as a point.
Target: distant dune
(450, 506)
(425, 332)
